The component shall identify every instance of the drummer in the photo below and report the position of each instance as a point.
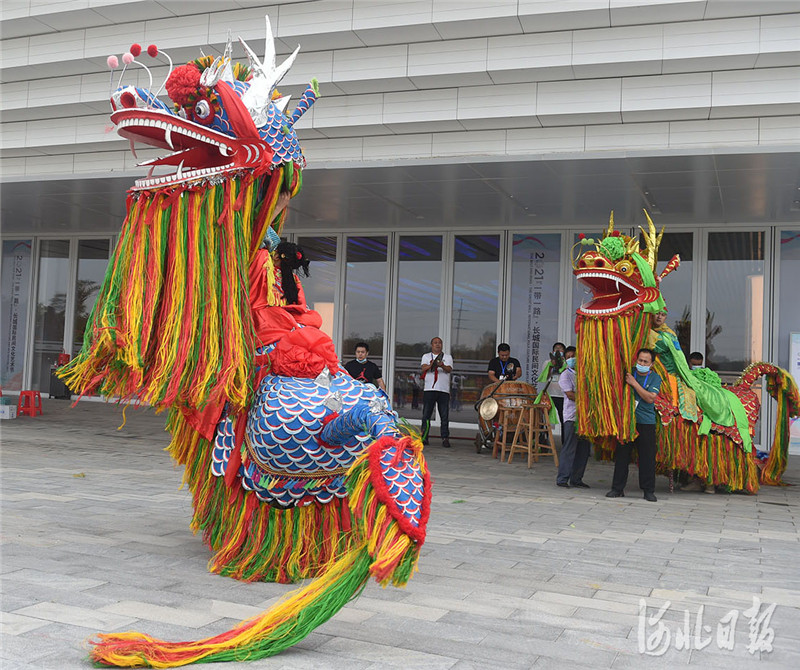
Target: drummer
(503, 367)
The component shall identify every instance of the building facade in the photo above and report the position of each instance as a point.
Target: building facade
(458, 150)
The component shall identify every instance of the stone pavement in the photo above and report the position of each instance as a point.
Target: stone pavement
(516, 573)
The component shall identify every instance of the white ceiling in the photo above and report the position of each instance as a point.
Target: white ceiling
(757, 188)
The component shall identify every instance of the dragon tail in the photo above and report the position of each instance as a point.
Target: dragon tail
(385, 550)
(782, 387)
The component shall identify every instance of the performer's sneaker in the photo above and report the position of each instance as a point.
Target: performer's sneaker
(564, 485)
(650, 497)
(579, 485)
(615, 494)
(446, 443)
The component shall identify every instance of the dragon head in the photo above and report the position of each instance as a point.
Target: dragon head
(227, 118)
(619, 274)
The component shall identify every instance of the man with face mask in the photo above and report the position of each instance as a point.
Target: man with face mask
(363, 370)
(645, 383)
(574, 450)
(696, 360)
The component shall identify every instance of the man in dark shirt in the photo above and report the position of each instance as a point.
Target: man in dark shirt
(503, 366)
(363, 370)
(645, 384)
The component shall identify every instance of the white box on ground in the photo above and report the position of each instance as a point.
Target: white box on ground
(8, 412)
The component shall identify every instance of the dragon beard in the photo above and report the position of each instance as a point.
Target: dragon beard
(605, 405)
(172, 324)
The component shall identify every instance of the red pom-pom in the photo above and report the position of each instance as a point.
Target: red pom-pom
(581, 236)
(152, 51)
(299, 256)
(183, 83)
(615, 233)
(136, 49)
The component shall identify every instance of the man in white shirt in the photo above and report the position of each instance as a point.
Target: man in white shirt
(435, 369)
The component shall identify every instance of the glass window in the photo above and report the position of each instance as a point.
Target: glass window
(734, 302)
(677, 286)
(535, 279)
(51, 307)
(474, 321)
(92, 264)
(15, 302)
(789, 315)
(320, 286)
(365, 296)
(419, 301)
(788, 311)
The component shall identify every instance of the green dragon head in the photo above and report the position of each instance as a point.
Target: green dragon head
(619, 274)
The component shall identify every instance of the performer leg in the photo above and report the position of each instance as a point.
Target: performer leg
(647, 457)
(622, 457)
(443, 405)
(579, 465)
(428, 403)
(566, 456)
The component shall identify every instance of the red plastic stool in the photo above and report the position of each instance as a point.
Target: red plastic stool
(30, 403)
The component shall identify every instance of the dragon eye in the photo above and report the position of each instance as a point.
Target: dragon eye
(624, 267)
(203, 111)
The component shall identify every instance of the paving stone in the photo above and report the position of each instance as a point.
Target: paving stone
(521, 575)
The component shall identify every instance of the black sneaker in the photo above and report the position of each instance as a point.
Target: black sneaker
(650, 497)
(615, 494)
(580, 485)
(445, 443)
(563, 485)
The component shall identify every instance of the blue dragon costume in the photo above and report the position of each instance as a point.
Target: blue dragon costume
(296, 470)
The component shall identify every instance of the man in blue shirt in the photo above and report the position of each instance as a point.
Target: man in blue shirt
(646, 384)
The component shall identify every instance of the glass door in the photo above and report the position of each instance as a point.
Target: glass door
(473, 327)
(51, 310)
(92, 264)
(734, 301)
(419, 304)
(320, 286)
(365, 297)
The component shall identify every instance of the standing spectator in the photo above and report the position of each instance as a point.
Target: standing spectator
(503, 366)
(574, 450)
(455, 392)
(414, 382)
(435, 369)
(550, 376)
(645, 384)
(363, 370)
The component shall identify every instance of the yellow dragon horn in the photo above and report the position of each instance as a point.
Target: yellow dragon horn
(610, 228)
(652, 241)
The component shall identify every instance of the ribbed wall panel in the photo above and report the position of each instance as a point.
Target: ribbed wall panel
(425, 79)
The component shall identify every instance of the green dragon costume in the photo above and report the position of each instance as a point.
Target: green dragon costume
(705, 430)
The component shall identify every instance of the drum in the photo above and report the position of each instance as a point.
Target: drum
(508, 395)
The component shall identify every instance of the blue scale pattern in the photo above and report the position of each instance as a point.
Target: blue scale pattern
(405, 482)
(290, 467)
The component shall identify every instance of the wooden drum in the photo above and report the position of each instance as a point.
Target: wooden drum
(510, 395)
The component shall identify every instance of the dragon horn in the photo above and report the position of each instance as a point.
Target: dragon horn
(610, 228)
(652, 241)
(672, 265)
(269, 45)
